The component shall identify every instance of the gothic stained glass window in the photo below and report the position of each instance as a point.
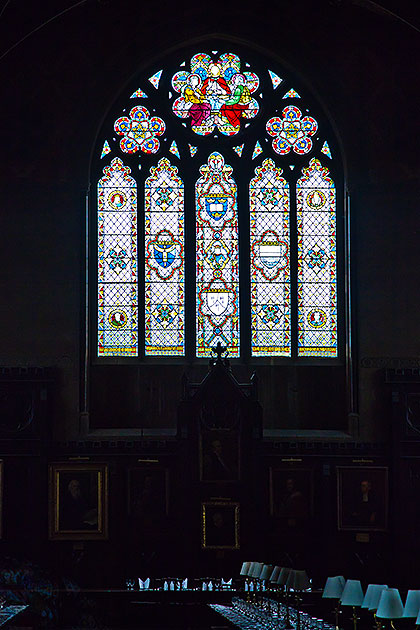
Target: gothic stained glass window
(164, 261)
(270, 262)
(317, 275)
(117, 262)
(217, 152)
(217, 261)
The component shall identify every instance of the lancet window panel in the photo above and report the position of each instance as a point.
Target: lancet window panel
(164, 261)
(117, 262)
(217, 258)
(317, 264)
(269, 200)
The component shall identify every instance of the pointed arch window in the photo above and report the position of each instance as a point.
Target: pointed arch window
(218, 213)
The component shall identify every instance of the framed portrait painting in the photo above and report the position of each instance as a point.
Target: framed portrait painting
(220, 525)
(78, 501)
(291, 494)
(362, 498)
(219, 455)
(148, 495)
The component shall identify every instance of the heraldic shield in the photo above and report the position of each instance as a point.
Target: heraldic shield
(217, 301)
(216, 206)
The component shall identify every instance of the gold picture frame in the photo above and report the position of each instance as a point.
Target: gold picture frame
(78, 501)
(220, 525)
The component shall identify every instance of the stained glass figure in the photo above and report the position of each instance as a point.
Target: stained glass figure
(326, 150)
(257, 150)
(215, 94)
(292, 131)
(317, 270)
(239, 149)
(117, 262)
(269, 200)
(275, 79)
(291, 94)
(140, 131)
(164, 261)
(193, 150)
(139, 94)
(174, 149)
(155, 79)
(217, 264)
(105, 149)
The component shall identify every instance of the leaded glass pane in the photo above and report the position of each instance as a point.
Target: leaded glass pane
(216, 94)
(164, 261)
(317, 270)
(117, 262)
(270, 262)
(217, 264)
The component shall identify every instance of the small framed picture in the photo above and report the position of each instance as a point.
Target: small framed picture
(219, 455)
(291, 495)
(220, 525)
(78, 501)
(148, 495)
(362, 498)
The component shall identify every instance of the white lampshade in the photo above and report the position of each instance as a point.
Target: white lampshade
(245, 568)
(375, 597)
(412, 604)
(334, 587)
(352, 594)
(266, 572)
(284, 574)
(290, 581)
(390, 605)
(275, 574)
(251, 569)
(373, 593)
(256, 570)
(301, 581)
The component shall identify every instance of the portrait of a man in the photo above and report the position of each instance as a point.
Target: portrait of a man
(148, 496)
(291, 491)
(78, 501)
(220, 525)
(362, 498)
(219, 455)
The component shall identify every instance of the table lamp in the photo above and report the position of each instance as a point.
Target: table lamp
(333, 589)
(352, 595)
(244, 572)
(256, 571)
(390, 605)
(265, 574)
(412, 605)
(275, 575)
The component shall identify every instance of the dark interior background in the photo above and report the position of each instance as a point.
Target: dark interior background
(359, 59)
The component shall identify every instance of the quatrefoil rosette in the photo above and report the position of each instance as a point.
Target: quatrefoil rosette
(215, 94)
(292, 131)
(140, 131)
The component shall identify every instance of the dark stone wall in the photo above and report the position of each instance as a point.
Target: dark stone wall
(58, 85)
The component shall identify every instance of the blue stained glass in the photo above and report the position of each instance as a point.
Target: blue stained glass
(164, 261)
(217, 263)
